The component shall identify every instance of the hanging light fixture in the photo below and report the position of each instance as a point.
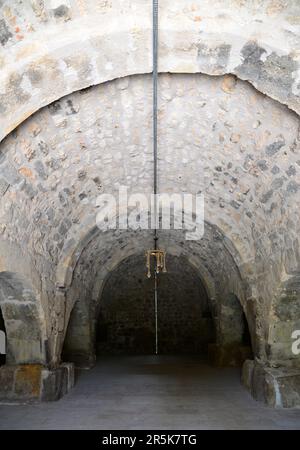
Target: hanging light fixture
(159, 261)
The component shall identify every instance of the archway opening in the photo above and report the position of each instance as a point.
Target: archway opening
(126, 320)
(200, 298)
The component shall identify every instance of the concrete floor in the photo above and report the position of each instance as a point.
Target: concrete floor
(148, 392)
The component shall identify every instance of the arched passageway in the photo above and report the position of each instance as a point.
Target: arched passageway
(74, 127)
(115, 315)
(240, 256)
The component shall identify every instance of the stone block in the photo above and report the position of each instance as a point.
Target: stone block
(28, 381)
(70, 369)
(258, 386)
(35, 382)
(7, 377)
(289, 388)
(51, 384)
(277, 387)
(57, 382)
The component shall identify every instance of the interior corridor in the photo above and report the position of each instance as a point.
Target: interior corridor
(150, 205)
(152, 392)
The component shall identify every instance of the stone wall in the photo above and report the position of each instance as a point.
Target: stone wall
(126, 322)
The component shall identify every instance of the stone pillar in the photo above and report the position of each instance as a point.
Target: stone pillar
(79, 343)
(231, 349)
(32, 371)
(275, 377)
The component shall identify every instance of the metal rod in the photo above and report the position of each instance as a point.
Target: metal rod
(155, 140)
(155, 89)
(156, 313)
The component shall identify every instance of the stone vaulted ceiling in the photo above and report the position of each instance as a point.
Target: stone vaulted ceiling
(75, 121)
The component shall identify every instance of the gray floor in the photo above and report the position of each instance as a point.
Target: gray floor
(152, 393)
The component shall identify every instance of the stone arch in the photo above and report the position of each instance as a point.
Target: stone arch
(82, 308)
(89, 229)
(26, 343)
(80, 339)
(229, 319)
(192, 45)
(37, 69)
(67, 266)
(235, 224)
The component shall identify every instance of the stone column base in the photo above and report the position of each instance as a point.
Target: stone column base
(34, 382)
(277, 387)
(228, 355)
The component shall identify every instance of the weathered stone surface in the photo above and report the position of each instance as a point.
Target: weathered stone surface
(28, 382)
(229, 355)
(247, 373)
(7, 380)
(23, 321)
(277, 387)
(193, 39)
(58, 382)
(289, 387)
(5, 34)
(35, 382)
(4, 185)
